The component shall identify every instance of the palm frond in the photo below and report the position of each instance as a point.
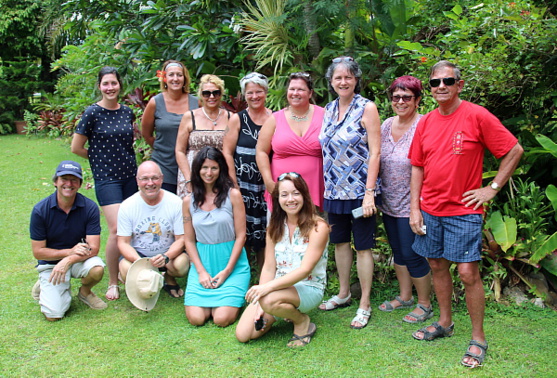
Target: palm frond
(266, 34)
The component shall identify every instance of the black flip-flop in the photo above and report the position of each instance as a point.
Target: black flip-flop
(311, 332)
(168, 288)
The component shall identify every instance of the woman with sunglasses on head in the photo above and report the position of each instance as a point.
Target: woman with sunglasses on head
(290, 136)
(162, 116)
(108, 127)
(200, 127)
(239, 150)
(396, 137)
(294, 273)
(351, 141)
(215, 231)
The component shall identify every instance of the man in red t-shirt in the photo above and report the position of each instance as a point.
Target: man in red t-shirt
(447, 197)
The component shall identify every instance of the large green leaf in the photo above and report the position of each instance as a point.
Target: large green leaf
(551, 193)
(503, 229)
(550, 264)
(548, 144)
(547, 247)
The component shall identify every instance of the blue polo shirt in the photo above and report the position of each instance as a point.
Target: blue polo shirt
(61, 230)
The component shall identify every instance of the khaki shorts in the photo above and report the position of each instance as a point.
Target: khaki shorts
(55, 300)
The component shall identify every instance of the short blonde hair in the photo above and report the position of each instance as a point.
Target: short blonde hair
(213, 79)
(187, 79)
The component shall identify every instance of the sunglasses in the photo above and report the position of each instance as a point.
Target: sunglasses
(343, 59)
(254, 74)
(291, 174)
(296, 75)
(448, 81)
(208, 94)
(397, 98)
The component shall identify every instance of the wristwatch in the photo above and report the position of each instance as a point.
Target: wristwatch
(495, 186)
(166, 258)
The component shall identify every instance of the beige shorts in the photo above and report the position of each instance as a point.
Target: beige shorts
(55, 300)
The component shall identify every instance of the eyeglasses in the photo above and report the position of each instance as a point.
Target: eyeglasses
(397, 98)
(291, 174)
(208, 94)
(343, 59)
(448, 81)
(147, 179)
(254, 74)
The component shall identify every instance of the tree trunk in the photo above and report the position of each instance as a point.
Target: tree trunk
(314, 45)
(349, 33)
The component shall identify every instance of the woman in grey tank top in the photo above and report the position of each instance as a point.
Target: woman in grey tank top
(162, 116)
(215, 231)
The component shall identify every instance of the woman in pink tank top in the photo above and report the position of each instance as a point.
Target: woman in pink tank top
(289, 140)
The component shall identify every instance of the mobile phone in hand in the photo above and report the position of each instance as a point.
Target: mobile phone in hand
(259, 324)
(358, 213)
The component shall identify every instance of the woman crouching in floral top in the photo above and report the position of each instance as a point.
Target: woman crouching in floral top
(294, 273)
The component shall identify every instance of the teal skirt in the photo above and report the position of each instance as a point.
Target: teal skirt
(214, 258)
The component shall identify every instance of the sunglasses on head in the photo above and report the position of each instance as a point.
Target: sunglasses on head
(405, 98)
(291, 174)
(343, 59)
(254, 74)
(446, 80)
(208, 94)
(298, 74)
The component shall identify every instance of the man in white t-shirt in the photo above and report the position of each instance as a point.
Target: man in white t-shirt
(150, 225)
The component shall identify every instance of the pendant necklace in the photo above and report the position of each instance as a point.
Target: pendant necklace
(209, 118)
(298, 118)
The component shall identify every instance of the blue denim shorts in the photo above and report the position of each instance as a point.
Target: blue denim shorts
(114, 191)
(455, 238)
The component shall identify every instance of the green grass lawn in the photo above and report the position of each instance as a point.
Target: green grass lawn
(123, 341)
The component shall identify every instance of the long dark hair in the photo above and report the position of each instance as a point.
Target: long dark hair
(307, 217)
(223, 183)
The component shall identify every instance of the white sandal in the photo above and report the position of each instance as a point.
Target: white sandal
(116, 288)
(362, 317)
(336, 302)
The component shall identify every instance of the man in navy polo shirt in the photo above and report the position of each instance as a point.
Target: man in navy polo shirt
(65, 239)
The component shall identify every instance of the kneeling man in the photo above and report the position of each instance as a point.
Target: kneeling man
(65, 237)
(150, 225)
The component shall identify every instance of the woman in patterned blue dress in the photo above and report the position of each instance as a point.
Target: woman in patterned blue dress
(294, 273)
(239, 150)
(215, 231)
(351, 141)
(108, 127)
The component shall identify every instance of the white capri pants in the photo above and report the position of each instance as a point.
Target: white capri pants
(55, 300)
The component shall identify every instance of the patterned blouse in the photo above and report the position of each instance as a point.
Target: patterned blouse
(110, 135)
(289, 257)
(345, 151)
(396, 170)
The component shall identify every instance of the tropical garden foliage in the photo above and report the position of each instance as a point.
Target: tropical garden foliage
(507, 51)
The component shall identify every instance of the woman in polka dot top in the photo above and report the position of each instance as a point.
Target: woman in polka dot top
(108, 127)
